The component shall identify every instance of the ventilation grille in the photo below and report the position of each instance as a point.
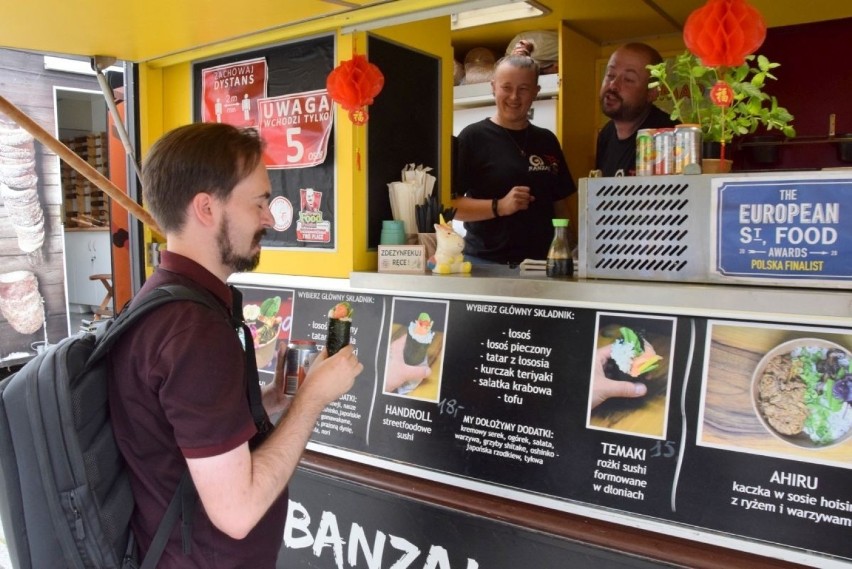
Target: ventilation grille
(644, 226)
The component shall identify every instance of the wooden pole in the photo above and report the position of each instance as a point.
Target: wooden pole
(80, 165)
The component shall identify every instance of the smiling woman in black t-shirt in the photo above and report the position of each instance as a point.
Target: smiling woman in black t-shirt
(512, 176)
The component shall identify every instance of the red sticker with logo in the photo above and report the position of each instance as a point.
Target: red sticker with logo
(721, 94)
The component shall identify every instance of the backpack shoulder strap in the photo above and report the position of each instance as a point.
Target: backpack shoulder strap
(107, 335)
(185, 497)
(255, 396)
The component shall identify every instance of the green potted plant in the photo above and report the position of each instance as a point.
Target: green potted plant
(685, 86)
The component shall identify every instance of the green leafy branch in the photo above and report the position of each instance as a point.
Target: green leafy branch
(686, 83)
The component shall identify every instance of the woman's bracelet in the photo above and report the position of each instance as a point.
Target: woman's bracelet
(494, 207)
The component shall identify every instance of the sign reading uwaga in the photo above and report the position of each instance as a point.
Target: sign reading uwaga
(296, 129)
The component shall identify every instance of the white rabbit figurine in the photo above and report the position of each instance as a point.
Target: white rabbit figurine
(448, 256)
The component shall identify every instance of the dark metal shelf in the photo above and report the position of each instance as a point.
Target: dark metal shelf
(798, 140)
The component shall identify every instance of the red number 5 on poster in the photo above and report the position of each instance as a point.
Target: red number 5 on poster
(296, 129)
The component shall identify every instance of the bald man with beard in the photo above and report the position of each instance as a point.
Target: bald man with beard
(629, 103)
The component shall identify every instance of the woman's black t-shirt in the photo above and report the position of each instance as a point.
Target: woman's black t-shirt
(493, 159)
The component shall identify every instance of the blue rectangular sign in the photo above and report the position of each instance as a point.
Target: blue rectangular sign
(787, 229)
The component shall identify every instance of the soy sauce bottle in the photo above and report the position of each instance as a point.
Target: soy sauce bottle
(560, 262)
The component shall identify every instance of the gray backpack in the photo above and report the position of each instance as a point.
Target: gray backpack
(65, 498)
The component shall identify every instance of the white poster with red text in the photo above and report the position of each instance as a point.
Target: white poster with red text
(230, 92)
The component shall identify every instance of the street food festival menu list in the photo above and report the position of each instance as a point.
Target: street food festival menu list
(530, 397)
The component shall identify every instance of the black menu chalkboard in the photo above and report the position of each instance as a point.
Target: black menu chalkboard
(653, 416)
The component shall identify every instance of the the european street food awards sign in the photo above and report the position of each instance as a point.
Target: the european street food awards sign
(785, 229)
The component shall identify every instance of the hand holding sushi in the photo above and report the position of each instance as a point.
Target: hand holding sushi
(631, 357)
(398, 371)
(339, 325)
(604, 388)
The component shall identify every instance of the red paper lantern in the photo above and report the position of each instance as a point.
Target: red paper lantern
(353, 85)
(722, 32)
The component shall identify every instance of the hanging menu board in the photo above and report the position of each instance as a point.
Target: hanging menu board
(739, 428)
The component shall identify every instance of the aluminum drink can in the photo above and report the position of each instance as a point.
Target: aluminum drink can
(645, 152)
(687, 146)
(664, 151)
(300, 355)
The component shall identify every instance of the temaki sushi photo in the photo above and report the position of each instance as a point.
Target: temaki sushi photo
(633, 357)
(339, 325)
(418, 340)
(630, 383)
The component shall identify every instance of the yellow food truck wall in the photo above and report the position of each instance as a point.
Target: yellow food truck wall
(166, 103)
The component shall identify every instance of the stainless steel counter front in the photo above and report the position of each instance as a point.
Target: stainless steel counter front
(792, 305)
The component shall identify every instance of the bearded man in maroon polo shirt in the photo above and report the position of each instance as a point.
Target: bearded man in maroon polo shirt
(179, 398)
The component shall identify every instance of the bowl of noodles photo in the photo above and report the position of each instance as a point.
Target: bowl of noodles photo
(264, 323)
(802, 391)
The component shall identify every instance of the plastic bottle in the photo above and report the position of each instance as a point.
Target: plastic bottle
(560, 262)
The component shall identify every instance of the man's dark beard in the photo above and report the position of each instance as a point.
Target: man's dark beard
(237, 263)
(624, 112)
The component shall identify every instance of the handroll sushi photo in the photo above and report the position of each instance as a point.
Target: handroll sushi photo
(414, 360)
(339, 325)
(418, 340)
